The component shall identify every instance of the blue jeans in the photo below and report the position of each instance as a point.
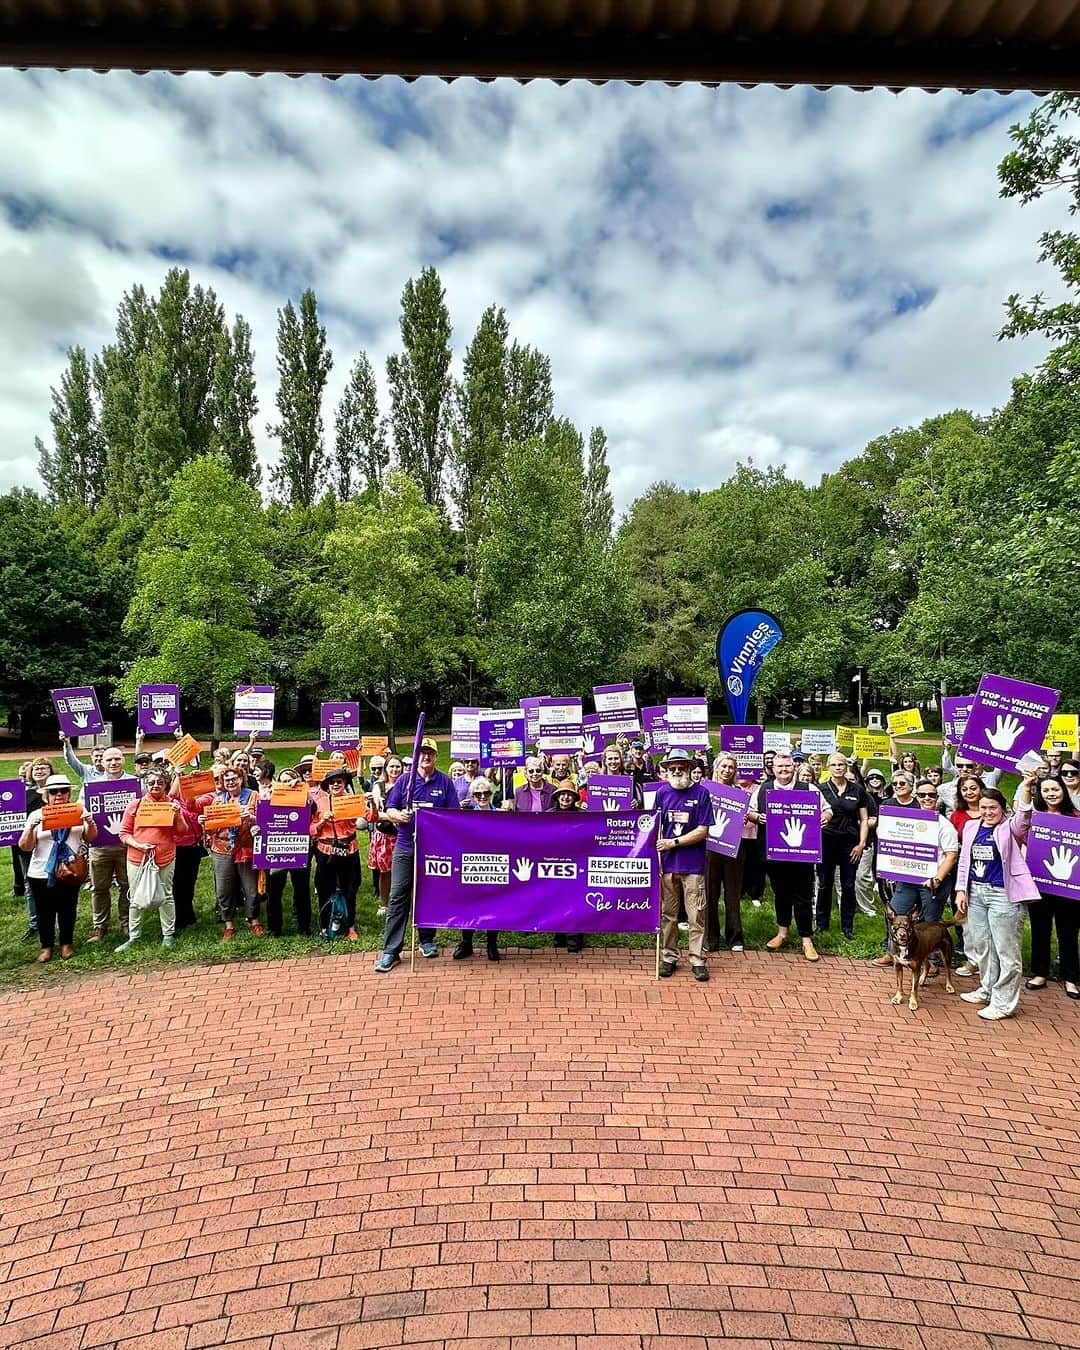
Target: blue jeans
(995, 930)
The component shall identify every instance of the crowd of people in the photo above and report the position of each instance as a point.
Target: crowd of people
(981, 875)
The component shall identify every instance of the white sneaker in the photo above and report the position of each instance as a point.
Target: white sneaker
(380, 913)
(125, 945)
(992, 1014)
(967, 969)
(684, 928)
(975, 996)
(736, 947)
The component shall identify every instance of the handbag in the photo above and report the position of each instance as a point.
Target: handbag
(148, 892)
(74, 871)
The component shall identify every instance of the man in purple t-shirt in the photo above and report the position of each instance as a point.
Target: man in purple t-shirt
(685, 816)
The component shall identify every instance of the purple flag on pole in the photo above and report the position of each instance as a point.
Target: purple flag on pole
(907, 844)
(730, 805)
(77, 711)
(254, 709)
(688, 723)
(747, 744)
(793, 826)
(655, 726)
(560, 725)
(1053, 854)
(502, 738)
(107, 799)
(954, 715)
(12, 809)
(1007, 719)
(566, 872)
(158, 708)
(610, 792)
(283, 840)
(339, 726)
(616, 707)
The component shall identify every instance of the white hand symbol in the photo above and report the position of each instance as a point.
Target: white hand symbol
(1061, 864)
(158, 718)
(979, 869)
(79, 719)
(523, 869)
(113, 823)
(1004, 735)
(589, 744)
(720, 824)
(609, 804)
(793, 832)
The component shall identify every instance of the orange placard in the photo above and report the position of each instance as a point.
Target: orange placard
(320, 768)
(352, 760)
(373, 745)
(61, 817)
(222, 815)
(184, 751)
(155, 813)
(281, 794)
(194, 785)
(348, 806)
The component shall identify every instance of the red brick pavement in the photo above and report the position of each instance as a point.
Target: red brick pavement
(554, 1152)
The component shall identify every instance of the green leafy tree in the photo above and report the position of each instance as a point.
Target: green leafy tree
(362, 455)
(421, 386)
(236, 401)
(304, 362)
(200, 572)
(394, 609)
(73, 470)
(480, 430)
(530, 401)
(599, 508)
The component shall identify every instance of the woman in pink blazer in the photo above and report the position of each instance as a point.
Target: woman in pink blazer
(993, 886)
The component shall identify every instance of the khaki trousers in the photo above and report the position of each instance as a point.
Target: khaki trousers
(688, 887)
(107, 865)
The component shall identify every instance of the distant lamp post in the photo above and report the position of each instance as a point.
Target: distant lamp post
(857, 679)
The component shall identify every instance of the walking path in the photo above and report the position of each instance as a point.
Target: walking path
(552, 1153)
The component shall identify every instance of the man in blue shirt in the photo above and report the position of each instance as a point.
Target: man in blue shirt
(685, 816)
(426, 787)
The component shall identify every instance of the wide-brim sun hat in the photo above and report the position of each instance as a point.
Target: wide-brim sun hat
(677, 756)
(56, 781)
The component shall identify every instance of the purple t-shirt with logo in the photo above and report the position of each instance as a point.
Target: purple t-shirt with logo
(438, 790)
(682, 810)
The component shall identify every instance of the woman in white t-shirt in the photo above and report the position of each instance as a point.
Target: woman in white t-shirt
(52, 854)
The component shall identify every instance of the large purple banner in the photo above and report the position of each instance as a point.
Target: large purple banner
(954, 715)
(1053, 854)
(1007, 719)
(572, 872)
(158, 708)
(747, 744)
(77, 711)
(610, 792)
(12, 809)
(907, 844)
(730, 805)
(793, 826)
(339, 726)
(107, 799)
(283, 840)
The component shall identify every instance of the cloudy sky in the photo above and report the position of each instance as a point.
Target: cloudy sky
(715, 274)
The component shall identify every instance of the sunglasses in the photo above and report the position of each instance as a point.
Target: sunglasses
(1070, 773)
(481, 794)
(52, 790)
(928, 795)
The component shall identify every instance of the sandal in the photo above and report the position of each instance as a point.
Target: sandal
(776, 944)
(44, 955)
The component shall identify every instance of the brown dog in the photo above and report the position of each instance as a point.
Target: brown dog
(913, 944)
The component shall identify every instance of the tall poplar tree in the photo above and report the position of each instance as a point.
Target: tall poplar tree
(420, 385)
(73, 470)
(480, 430)
(599, 508)
(361, 454)
(236, 401)
(304, 362)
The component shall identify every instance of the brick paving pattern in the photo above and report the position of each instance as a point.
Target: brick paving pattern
(556, 1152)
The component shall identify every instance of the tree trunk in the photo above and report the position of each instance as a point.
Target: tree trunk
(389, 689)
(215, 739)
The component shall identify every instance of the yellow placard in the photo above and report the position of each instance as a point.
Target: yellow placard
(845, 739)
(194, 785)
(871, 745)
(1063, 733)
(62, 816)
(183, 751)
(222, 815)
(283, 794)
(904, 723)
(348, 806)
(155, 813)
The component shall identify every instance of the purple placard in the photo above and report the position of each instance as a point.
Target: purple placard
(502, 738)
(158, 708)
(254, 709)
(610, 792)
(747, 744)
(793, 826)
(1053, 854)
(730, 805)
(531, 708)
(655, 728)
(616, 707)
(283, 840)
(465, 733)
(339, 726)
(77, 711)
(12, 809)
(593, 739)
(1007, 719)
(688, 723)
(648, 793)
(954, 715)
(107, 799)
(580, 871)
(560, 725)
(907, 844)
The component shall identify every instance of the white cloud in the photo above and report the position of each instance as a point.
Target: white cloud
(714, 273)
